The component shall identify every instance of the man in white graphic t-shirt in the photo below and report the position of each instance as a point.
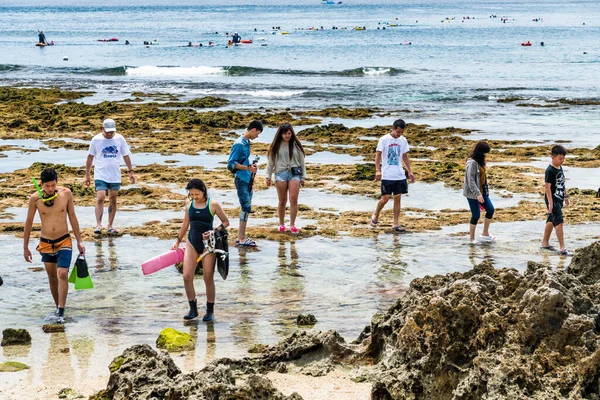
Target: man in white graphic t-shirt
(106, 150)
(391, 151)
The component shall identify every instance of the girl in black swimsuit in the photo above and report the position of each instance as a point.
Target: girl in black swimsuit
(199, 214)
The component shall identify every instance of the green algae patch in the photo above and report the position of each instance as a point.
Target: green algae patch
(116, 364)
(173, 340)
(12, 366)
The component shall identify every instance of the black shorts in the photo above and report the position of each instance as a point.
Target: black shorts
(393, 187)
(557, 215)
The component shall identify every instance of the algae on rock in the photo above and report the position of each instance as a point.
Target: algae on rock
(173, 340)
(15, 337)
(12, 366)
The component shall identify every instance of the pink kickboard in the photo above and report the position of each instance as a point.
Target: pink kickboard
(159, 262)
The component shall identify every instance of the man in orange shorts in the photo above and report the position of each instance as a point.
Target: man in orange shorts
(53, 204)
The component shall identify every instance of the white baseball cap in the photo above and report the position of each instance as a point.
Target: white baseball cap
(109, 125)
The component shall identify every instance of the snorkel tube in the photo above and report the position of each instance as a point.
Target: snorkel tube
(46, 200)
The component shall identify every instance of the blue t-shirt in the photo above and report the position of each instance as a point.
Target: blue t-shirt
(240, 154)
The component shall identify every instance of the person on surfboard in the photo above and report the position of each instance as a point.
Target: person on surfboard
(42, 37)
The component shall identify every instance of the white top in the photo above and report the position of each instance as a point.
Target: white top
(107, 157)
(392, 149)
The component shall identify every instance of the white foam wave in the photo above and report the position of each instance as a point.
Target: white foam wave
(154, 71)
(376, 71)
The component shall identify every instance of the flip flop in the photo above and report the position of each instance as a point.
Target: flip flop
(98, 231)
(373, 223)
(399, 229)
(247, 243)
(112, 231)
(551, 248)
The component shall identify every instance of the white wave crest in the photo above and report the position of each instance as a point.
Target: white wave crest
(376, 71)
(154, 71)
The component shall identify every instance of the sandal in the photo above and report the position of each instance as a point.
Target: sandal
(112, 231)
(294, 230)
(98, 231)
(565, 252)
(282, 228)
(373, 223)
(247, 243)
(551, 248)
(399, 229)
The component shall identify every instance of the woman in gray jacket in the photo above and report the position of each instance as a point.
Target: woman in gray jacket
(476, 191)
(286, 160)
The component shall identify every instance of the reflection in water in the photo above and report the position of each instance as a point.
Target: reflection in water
(211, 344)
(244, 330)
(288, 289)
(189, 362)
(480, 253)
(112, 262)
(58, 365)
(391, 271)
(83, 347)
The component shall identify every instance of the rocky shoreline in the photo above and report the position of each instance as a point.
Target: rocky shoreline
(486, 333)
(158, 124)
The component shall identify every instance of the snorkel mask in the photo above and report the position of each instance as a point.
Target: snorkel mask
(47, 200)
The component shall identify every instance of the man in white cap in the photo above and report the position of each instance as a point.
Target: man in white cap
(107, 148)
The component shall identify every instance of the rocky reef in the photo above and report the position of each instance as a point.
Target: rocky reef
(143, 373)
(492, 333)
(483, 334)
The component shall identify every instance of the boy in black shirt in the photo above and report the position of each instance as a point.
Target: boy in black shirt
(555, 194)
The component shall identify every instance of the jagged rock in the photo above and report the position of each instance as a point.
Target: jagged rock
(12, 366)
(50, 328)
(258, 348)
(11, 337)
(492, 333)
(173, 340)
(307, 319)
(143, 373)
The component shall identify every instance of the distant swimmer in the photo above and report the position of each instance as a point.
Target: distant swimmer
(189, 44)
(236, 38)
(542, 44)
(127, 42)
(42, 37)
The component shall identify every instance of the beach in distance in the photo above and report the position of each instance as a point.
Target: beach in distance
(350, 304)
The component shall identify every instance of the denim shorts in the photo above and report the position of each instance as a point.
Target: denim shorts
(286, 176)
(101, 185)
(244, 194)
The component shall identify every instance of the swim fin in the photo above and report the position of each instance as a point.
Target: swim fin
(80, 275)
(221, 237)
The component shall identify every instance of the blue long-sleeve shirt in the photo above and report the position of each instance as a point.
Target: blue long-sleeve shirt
(240, 154)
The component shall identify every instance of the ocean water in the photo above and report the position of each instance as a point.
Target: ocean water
(453, 72)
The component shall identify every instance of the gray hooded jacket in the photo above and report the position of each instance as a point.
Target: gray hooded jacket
(472, 185)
